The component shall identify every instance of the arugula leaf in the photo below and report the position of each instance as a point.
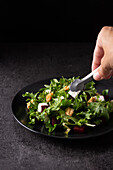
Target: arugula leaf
(90, 89)
(79, 104)
(105, 92)
(99, 109)
(65, 103)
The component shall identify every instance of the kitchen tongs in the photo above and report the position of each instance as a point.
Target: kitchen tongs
(79, 84)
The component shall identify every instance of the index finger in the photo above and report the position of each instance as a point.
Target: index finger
(98, 53)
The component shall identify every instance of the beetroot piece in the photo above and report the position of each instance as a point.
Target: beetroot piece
(103, 120)
(79, 129)
(106, 98)
(54, 121)
(44, 107)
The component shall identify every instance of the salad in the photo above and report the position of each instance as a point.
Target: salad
(59, 108)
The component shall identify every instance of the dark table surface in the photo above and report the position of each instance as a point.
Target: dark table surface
(22, 64)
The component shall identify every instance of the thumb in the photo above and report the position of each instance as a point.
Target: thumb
(104, 71)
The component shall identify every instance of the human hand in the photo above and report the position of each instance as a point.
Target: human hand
(103, 54)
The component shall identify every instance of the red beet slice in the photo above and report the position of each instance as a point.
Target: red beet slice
(43, 107)
(54, 121)
(79, 129)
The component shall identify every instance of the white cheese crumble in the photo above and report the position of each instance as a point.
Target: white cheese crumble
(100, 98)
(62, 97)
(74, 94)
(40, 106)
(48, 91)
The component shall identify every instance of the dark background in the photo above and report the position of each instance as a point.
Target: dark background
(53, 21)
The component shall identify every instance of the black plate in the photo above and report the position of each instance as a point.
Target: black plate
(20, 114)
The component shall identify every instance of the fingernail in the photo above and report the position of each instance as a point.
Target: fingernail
(97, 76)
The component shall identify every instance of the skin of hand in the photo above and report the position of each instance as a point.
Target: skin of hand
(103, 54)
